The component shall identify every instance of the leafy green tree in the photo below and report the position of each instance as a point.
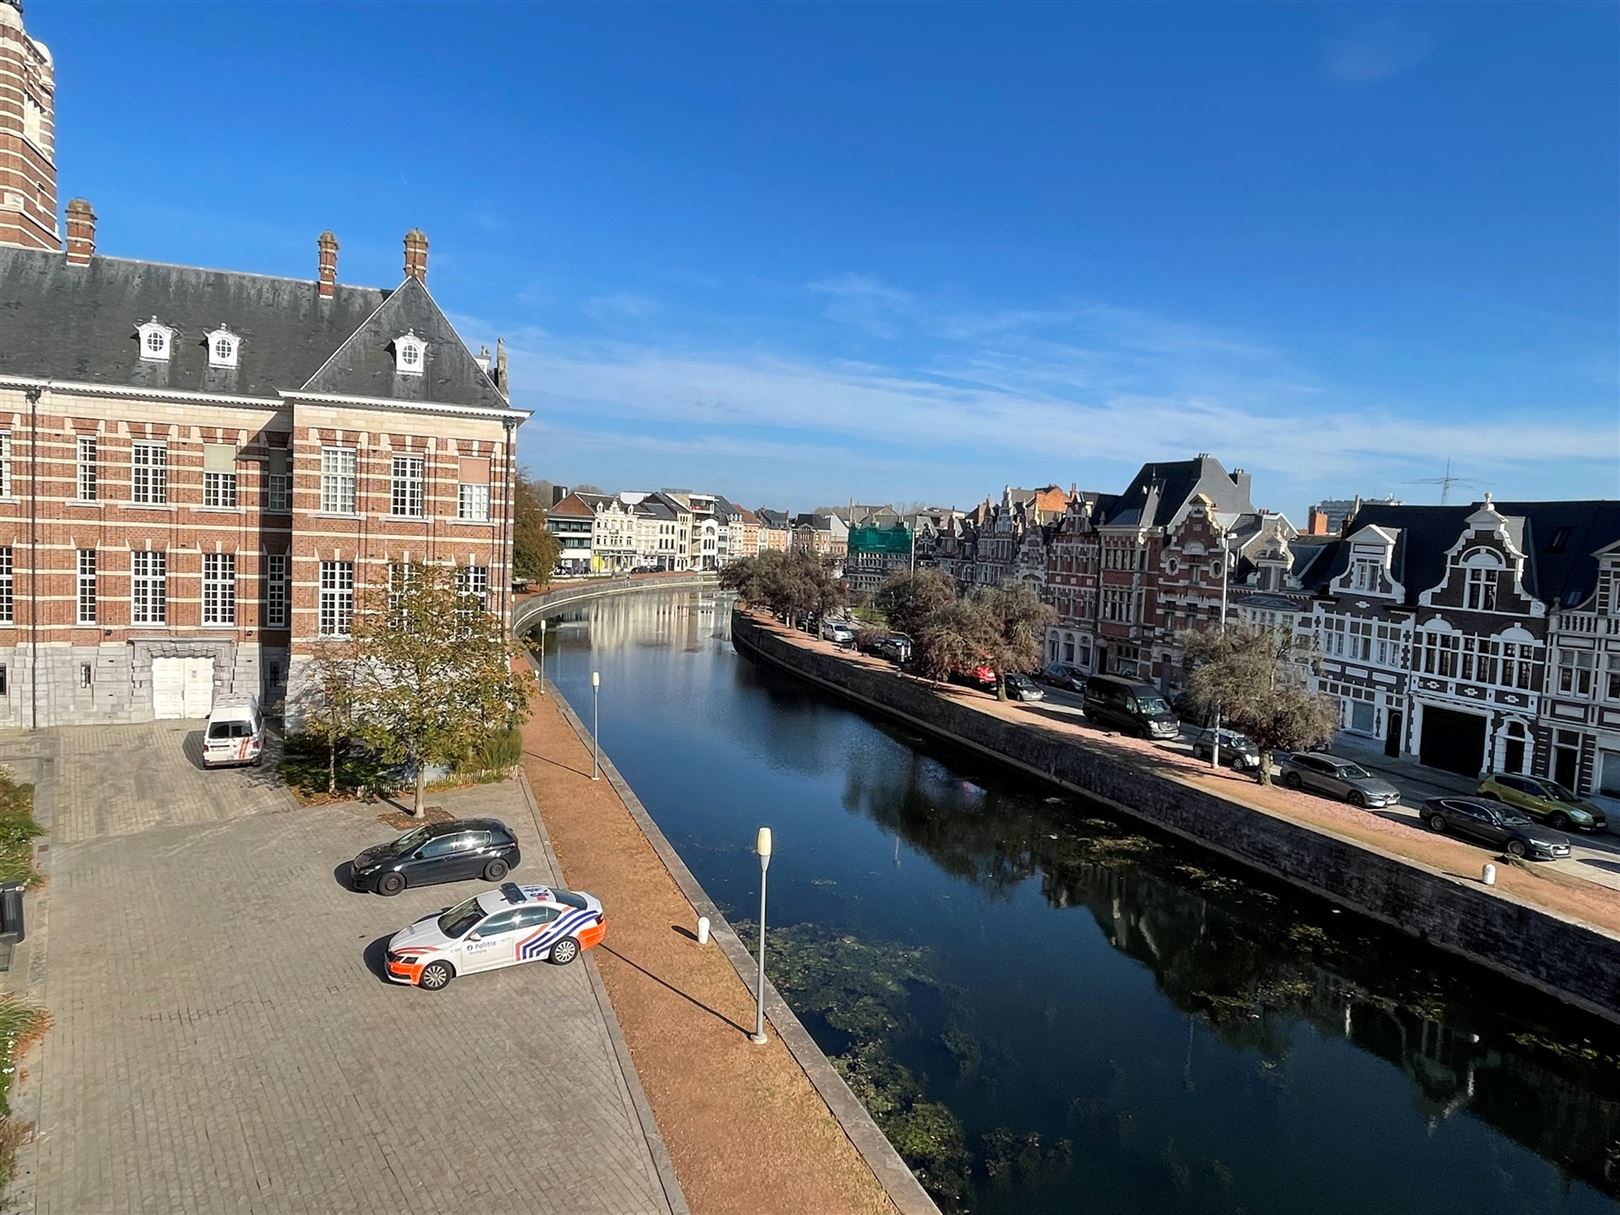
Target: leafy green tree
(910, 601)
(1254, 677)
(435, 673)
(330, 701)
(1015, 623)
(535, 550)
(790, 584)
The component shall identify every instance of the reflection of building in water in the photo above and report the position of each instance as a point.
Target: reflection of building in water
(646, 618)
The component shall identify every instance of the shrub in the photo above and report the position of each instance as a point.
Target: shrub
(500, 752)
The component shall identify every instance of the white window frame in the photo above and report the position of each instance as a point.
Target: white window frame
(472, 502)
(219, 588)
(339, 480)
(472, 580)
(148, 586)
(335, 603)
(88, 483)
(277, 584)
(5, 464)
(407, 487)
(1611, 678)
(156, 341)
(222, 339)
(410, 354)
(149, 472)
(1576, 671)
(86, 586)
(219, 489)
(1480, 587)
(8, 596)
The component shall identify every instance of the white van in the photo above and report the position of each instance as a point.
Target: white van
(235, 733)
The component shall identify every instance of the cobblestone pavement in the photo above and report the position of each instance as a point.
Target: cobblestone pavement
(223, 1041)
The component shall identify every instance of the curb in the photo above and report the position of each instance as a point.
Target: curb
(892, 1173)
(663, 1167)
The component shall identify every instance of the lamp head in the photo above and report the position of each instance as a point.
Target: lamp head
(596, 679)
(762, 842)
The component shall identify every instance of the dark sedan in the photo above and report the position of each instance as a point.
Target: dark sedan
(438, 852)
(1495, 824)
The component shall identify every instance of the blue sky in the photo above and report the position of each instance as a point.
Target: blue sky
(799, 254)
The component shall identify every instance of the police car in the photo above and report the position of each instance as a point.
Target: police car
(497, 928)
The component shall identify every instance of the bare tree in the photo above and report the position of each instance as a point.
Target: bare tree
(330, 700)
(1015, 623)
(909, 601)
(1254, 676)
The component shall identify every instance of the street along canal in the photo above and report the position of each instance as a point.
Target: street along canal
(1053, 1011)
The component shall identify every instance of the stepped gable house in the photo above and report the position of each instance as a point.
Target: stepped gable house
(200, 468)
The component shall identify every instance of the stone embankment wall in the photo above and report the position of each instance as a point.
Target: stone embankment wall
(531, 608)
(1571, 961)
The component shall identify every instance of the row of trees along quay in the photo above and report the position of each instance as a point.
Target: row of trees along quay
(1254, 676)
(426, 676)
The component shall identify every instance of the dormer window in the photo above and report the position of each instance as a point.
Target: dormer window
(223, 347)
(410, 354)
(155, 340)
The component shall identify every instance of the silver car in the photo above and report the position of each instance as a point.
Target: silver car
(1337, 777)
(837, 630)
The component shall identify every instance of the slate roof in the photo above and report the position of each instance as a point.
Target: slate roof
(1559, 539)
(78, 323)
(654, 508)
(773, 518)
(1158, 492)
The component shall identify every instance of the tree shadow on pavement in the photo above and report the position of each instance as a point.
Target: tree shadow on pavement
(664, 983)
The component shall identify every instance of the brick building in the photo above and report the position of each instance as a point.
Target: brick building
(199, 469)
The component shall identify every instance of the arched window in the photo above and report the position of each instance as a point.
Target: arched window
(1482, 575)
(410, 353)
(155, 339)
(223, 347)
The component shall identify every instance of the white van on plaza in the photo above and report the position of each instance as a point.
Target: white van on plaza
(235, 733)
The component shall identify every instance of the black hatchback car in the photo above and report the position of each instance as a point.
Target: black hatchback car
(438, 852)
(1495, 824)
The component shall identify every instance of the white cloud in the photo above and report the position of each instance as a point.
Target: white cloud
(1378, 50)
(621, 305)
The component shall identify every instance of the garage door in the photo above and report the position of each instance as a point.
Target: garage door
(182, 688)
(1452, 741)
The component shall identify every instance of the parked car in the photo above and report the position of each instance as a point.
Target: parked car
(1022, 687)
(235, 732)
(894, 646)
(1544, 799)
(438, 852)
(1337, 777)
(982, 676)
(504, 927)
(1237, 752)
(1130, 706)
(1495, 824)
(837, 630)
(1062, 675)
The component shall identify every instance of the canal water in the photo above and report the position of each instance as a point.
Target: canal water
(1109, 1020)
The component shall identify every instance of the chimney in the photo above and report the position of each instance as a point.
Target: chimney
(416, 255)
(81, 233)
(482, 359)
(1244, 482)
(1316, 522)
(328, 247)
(501, 381)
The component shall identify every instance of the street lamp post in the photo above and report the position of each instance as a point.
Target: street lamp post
(542, 656)
(1215, 742)
(596, 746)
(762, 847)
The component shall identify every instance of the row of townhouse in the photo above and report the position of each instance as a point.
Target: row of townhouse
(1473, 638)
(655, 530)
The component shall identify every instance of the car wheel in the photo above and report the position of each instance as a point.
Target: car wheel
(564, 951)
(1558, 821)
(1356, 799)
(1292, 780)
(1437, 823)
(1516, 848)
(436, 976)
(495, 870)
(392, 883)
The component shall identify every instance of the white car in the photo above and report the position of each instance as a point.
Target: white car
(836, 630)
(498, 928)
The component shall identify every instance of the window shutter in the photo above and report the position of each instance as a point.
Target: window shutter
(219, 457)
(280, 461)
(474, 470)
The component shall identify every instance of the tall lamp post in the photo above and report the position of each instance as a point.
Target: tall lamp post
(762, 847)
(1215, 742)
(596, 746)
(542, 656)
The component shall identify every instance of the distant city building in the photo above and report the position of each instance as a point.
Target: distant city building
(1328, 517)
(876, 552)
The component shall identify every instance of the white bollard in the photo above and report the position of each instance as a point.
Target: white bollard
(1488, 875)
(703, 930)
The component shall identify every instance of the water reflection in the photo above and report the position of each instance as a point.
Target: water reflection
(1198, 1040)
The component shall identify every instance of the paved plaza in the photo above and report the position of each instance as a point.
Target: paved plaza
(223, 1040)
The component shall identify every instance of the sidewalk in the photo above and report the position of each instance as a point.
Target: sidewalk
(1416, 781)
(747, 1131)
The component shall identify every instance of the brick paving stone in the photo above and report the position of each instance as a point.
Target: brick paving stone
(222, 1042)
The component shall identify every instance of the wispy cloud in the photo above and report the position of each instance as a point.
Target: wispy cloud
(865, 302)
(621, 305)
(1376, 51)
